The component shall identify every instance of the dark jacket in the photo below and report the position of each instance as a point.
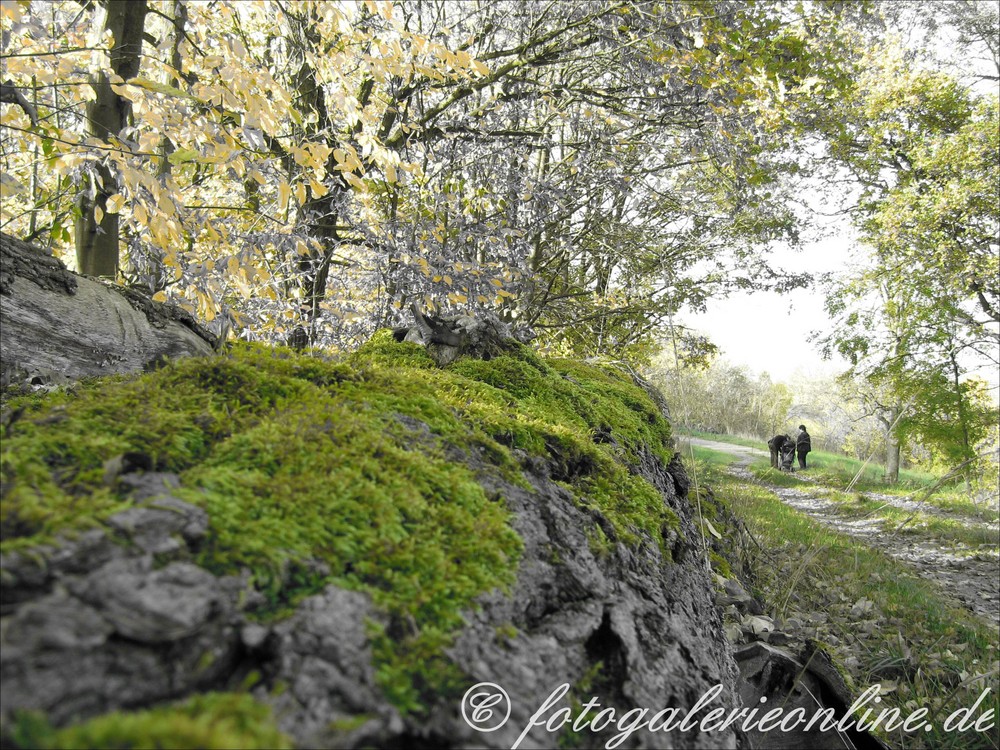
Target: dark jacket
(777, 441)
(802, 442)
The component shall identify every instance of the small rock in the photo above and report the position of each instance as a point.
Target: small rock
(734, 589)
(144, 485)
(776, 638)
(254, 635)
(152, 527)
(757, 625)
(55, 623)
(153, 607)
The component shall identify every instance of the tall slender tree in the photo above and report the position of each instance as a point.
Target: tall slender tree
(97, 229)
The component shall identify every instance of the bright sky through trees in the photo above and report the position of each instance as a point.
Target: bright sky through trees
(770, 332)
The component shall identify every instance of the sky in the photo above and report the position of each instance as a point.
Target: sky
(769, 331)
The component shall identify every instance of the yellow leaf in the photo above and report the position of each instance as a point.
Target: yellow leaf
(300, 194)
(124, 92)
(160, 297)
(14, 11)
(98, 214)
(161, 88)
(115, 203)
(318, 189)
(354, 180)
(284, 193)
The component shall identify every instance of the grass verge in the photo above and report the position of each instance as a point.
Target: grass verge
(881, 621)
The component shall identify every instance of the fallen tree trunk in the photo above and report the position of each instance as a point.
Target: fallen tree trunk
(59, 326)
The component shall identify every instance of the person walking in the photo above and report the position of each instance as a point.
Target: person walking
(802, 445)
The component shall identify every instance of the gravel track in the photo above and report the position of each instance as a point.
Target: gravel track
(972, 580)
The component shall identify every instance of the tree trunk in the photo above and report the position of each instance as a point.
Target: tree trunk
(963, 419)
(97, 240)
(892, 447)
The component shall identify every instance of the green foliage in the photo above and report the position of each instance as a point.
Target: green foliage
(951, 419)
(922, 315)
(314, 472)
(723, 398)
(213, 721)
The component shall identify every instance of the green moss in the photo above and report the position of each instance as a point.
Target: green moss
(601, 547)
(314, 472)
(383, 349)
(350, 724)
(720, 565)
(53, 460)
(214, 721)
(507, 631)
(583, 689)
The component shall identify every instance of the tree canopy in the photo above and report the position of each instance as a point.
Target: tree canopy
(924, 310)
(583, 168)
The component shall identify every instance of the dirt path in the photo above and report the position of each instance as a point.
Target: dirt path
(973, 580)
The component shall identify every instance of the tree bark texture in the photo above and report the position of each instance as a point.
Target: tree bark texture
(60, 326)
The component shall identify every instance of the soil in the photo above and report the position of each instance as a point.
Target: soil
(973, 580)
